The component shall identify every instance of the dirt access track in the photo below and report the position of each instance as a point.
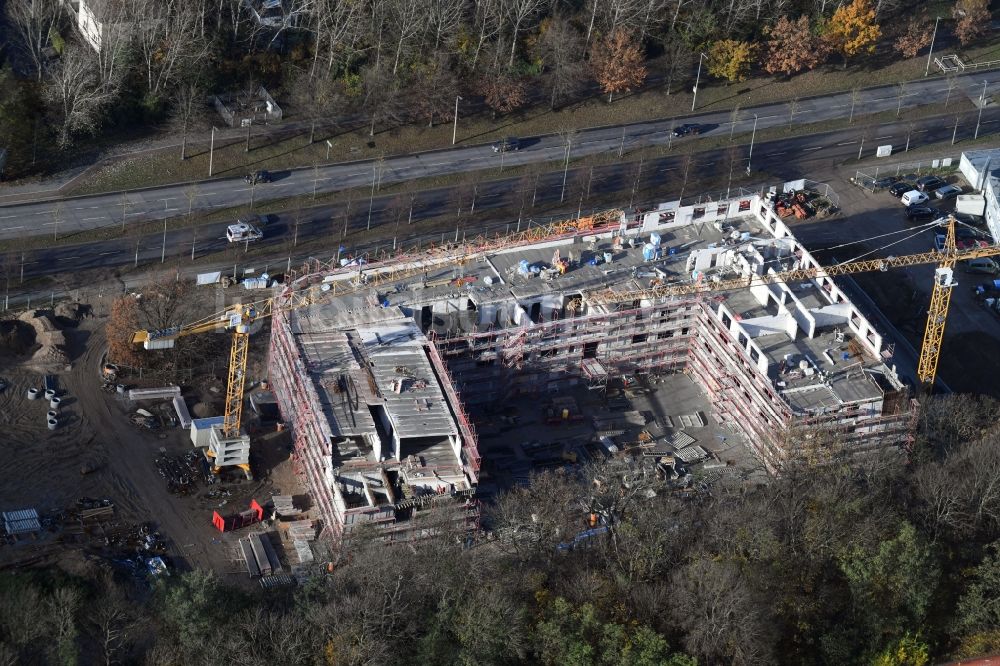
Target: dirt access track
(41, 468)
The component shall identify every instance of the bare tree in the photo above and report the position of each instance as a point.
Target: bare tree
(406, 19)
(855, 98)
(793, 106)
(434, 90)
(76, 96)
(167, 35)
(335, 27)
(443, 19)
(488, 20)
(33, 21)
(113, 622)
(383, 99)
(561, 51)
(519, 15)
(187, 114)
(952, 82)
(677, 60)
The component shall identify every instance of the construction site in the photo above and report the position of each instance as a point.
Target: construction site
(672, 336)
(394, 397)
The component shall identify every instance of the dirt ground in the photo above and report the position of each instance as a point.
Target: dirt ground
(41, 468)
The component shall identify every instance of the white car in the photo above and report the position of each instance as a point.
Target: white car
(243, 232)
(913, 198)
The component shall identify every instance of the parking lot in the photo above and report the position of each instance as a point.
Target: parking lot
(875, 225)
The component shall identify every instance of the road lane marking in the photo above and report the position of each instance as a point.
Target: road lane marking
(846, 143)
(88, 219)
(814, 148)
(887, 136)
(775, 154)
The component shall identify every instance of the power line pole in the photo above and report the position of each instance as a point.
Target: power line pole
(982, 103)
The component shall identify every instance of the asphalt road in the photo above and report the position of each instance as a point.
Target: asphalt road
(660, 179)
(74, 214)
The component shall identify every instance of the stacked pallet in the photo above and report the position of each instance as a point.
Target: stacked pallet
(259, 555)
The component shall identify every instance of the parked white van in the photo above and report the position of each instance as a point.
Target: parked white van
(913, 197)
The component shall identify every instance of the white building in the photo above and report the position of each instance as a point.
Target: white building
(982, 169)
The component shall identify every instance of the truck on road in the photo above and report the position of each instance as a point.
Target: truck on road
(243, 232)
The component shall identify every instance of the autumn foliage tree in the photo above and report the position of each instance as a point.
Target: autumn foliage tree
(122, 323)
(916, 37)
(618, 64)
(730, 59)
(792, 47)
(852, 29)
(503, 94)
(973, 20)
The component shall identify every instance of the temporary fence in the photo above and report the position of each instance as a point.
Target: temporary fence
(877, 178)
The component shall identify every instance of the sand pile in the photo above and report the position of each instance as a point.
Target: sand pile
(16, 338)
(204, 410)
(48, 335)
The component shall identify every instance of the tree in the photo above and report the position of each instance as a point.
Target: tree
(907, 651)
(852, 29)
(617, 64)
(187, 113)
(676, 61)
(973, 20)
(76, 96)
(916, 36)
(504, 93)
(192, 604)
(123, 321)
(518, 14)
(792, 47)
(730, 59)
(979, 606)
(435, 89)
(384, 100)
(892, 584)
(560, 48)
(576, 635)
(722, 620)
(33, 21)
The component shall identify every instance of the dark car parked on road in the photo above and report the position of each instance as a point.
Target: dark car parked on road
(898, 188)
(919, 212)
(928, 184)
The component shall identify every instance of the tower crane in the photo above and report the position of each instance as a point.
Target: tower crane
(937, 312)
(238, 319)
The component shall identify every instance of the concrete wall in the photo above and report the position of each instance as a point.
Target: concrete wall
(672, 215)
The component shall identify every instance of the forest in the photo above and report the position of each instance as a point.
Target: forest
(382, 63)
(890, 559)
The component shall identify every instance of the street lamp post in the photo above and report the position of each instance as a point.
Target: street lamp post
(982, 103)
(753, 135)
(454, 127)
(927, 69)
(697, 80)
(211, 152)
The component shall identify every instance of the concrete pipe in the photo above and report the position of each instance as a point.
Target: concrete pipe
(32, 394)
(53, 424)
(54, 403)
(120, 388)
(52, 414)
(49, 394)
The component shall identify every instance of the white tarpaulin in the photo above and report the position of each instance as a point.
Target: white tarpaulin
(209, 278)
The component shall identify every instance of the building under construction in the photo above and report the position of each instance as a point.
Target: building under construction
(375, 378)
